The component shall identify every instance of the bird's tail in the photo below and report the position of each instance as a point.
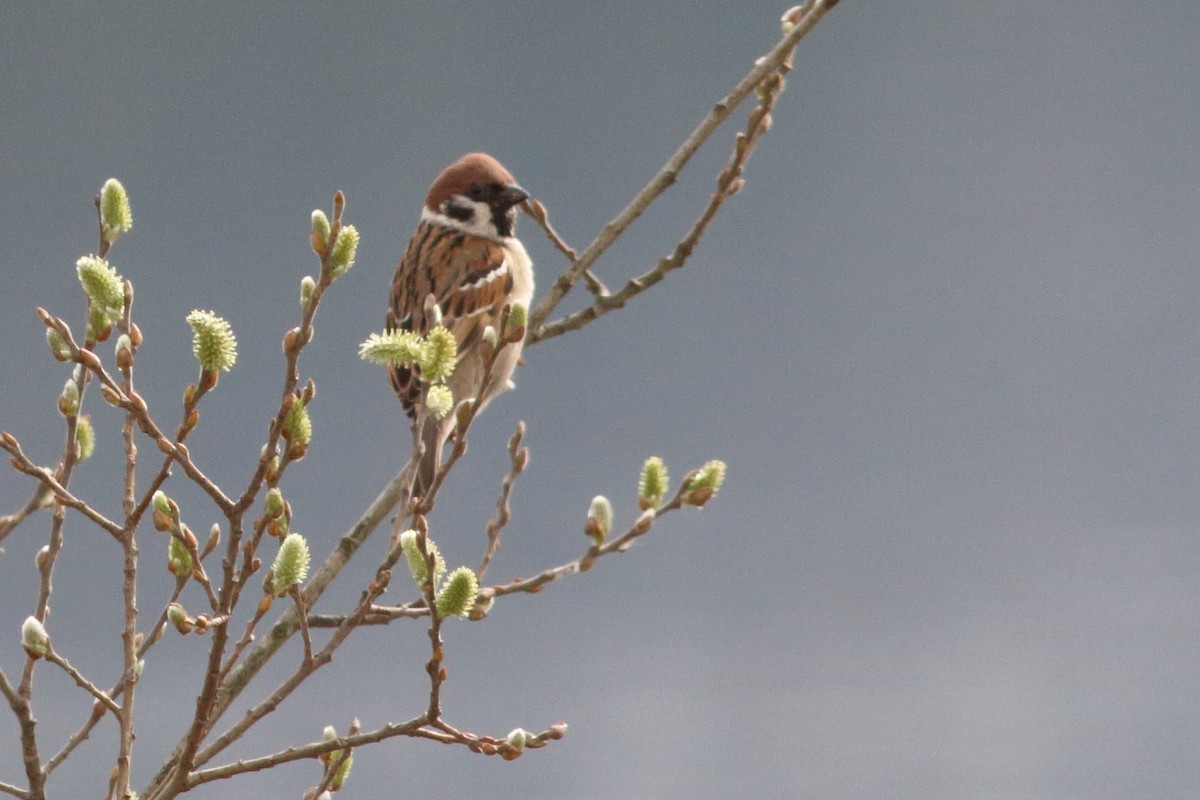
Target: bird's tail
(430, 433)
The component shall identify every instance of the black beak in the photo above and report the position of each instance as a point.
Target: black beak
(511, 196)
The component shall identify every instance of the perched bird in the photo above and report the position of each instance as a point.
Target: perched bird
(464, 266)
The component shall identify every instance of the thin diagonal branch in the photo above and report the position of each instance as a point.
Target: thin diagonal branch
(48, 479)
(729, 183)
(306, 751)
(15, 791)
(9, 522)
(806, 18)
(82, 682)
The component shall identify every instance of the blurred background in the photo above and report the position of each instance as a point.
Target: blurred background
(944, 339)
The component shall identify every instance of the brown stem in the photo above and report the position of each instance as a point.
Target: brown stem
(808, 17)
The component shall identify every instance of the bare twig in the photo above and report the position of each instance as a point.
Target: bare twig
(437, 672)
(129, 634)
(620, 544)
(729, 182)
(52, 482)
(333, 766)
(378, 615)
(15, 791)
(537, 212)
(518, 456)
(306, 751)
(302, 613)
(82, 682)
(98, 712)
(804, 20)
(38, 501)
(309, 666)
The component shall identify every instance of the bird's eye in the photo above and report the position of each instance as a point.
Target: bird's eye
(476, 191)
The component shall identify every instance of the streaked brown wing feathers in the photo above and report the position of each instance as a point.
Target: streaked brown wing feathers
(469, 278)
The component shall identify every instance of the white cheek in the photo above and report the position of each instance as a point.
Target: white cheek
(480, 222)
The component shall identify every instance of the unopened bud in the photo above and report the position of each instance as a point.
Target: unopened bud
(34, 638)
(514, 325)
(599, 519)
(85, 438)
(179, 619)
(273, 506)
(179, 560)
(124, 351)
(214, 538)
(68, 401)
(644, 522)
(514, 744)
(790, 19)
(166, 513)
(307, 287)
(59, 347)
(319, 238)
(705, 483)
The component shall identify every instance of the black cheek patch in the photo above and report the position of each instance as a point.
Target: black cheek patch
(504, 219)
(460, 213)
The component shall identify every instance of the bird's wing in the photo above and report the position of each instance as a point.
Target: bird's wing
(469, 279)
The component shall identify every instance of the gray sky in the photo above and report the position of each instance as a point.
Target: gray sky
(944, 340)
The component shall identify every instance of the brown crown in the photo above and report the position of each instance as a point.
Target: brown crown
(458, 177)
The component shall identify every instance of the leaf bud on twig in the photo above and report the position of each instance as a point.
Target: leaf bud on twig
(59, 347)
(124, 351)
(514, 323)
(68, 400)
(179, 619)
(179, 560)
(85, 438)
(704, 483)
(599, 519)
(34, 638)
(319, 233)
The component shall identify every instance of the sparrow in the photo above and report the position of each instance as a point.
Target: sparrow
(463, 269)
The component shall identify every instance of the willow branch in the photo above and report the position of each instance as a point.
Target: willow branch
(306, 751)
(518, 457)
(15, 791)
(729, 183)
(82, 682)
(9, 522)
(51, 481)
(804, 19)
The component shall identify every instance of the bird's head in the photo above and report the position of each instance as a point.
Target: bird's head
(478, 194)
